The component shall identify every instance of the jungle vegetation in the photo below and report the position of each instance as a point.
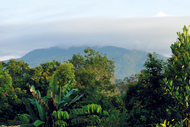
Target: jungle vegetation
(84, 92)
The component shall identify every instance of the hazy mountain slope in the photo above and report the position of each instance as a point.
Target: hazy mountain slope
(127, 62)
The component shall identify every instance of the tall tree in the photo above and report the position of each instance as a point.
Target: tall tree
(177, 79)
(145, 100)
(92, 67)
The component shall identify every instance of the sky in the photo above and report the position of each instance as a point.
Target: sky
(147, 25)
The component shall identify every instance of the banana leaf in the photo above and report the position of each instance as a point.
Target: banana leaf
(53, 84)
(65, 99)
(75, 99)
(78, 98)
(40, 108)
(32, 102)
(29, 109)
(70, 92)
(41, 111)
(65, 102)
(58, 96)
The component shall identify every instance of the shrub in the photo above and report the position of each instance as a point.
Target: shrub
(8, 97)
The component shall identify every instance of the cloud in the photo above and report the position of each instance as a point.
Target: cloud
(153, 34)
(161, 14)
(8, 57)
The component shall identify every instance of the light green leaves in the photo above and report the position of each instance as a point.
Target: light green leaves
(179, 44)
(92, 108)
(171, 82)
(38, 123)
(187, 90)
(60, 115)
(176, 93)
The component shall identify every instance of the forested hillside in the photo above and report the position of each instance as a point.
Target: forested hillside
(80, 92)
(127, 62)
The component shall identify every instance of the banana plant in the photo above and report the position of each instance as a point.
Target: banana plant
(43, 114)
(50, 103)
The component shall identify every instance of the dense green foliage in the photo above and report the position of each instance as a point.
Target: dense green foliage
(9, 101)
(177, 78)
(146, 100)
(91, 68)
(82, 92)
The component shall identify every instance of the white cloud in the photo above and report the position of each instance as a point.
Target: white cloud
(153, 34)
(161, 14)
(3, 58)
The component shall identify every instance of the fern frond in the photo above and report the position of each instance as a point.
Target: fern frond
(60, 115)
(91, 108)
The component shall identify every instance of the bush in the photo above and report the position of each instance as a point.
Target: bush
(23, 117)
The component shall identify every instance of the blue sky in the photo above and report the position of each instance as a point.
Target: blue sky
(148, 25)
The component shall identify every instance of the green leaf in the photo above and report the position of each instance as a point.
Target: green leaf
(92, 108)
(38, 92)
(176, 93)
(181, 95)
(32, 102)
(59, 114)
(70, 92)
(54, 113)
(78, 98)
(187, 89)
(57, 97)
(38, 123)
(41, 111)
(53, 84)
(48, 94)
(29, 109)
(59, 93)
(61, 104)
(175, 58)
(32, 87)
(171, 82)
(72, 100)
(179, 44)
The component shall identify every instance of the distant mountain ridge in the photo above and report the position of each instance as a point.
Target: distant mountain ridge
(127, 62)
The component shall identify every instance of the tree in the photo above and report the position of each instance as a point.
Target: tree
(145, 100)
(44, 72)
(177, 80)
(20, 73)
(9, 101)
(91, 67)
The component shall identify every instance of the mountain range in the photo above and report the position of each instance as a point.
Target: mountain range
(127, 62)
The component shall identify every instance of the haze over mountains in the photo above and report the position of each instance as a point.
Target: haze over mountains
(127, 62)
